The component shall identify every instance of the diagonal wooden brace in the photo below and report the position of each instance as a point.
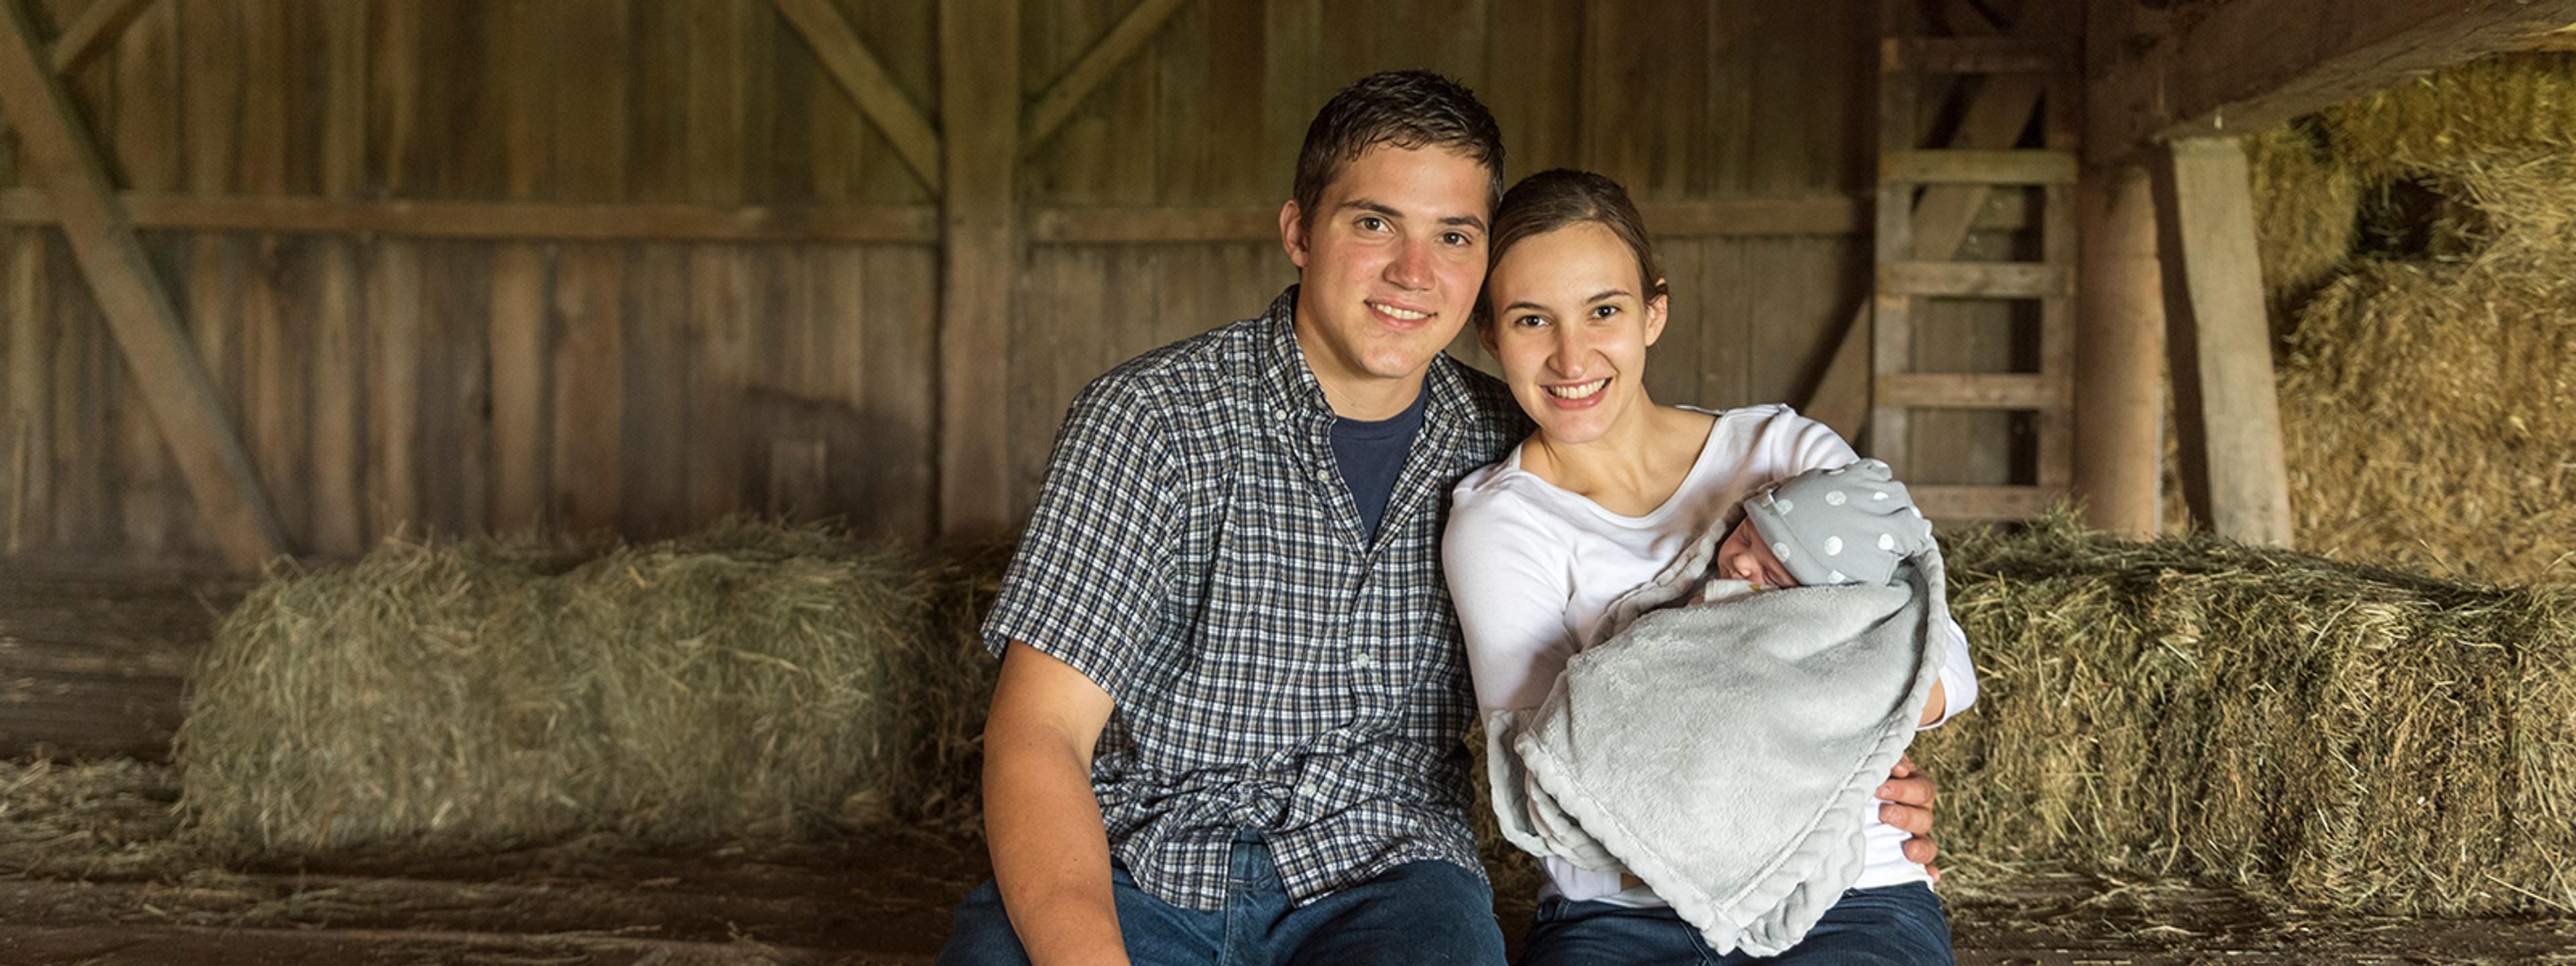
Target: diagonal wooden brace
(237, 509)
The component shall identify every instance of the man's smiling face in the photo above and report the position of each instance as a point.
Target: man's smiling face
(1390, 263)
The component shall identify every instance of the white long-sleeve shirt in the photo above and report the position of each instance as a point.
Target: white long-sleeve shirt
(1533, 568)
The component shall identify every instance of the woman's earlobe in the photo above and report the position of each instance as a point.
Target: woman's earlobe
(1656, 309)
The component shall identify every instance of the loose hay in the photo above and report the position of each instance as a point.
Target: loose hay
(750, 681)
(2325, 735)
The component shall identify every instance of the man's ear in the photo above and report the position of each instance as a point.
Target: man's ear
(1292, 232)
(1656, 308)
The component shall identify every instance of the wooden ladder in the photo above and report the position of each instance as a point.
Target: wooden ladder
(1927, 197)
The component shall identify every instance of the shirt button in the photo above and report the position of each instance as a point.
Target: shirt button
(1363, 662)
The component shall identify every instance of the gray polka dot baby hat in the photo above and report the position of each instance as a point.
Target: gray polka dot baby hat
(1849, 525)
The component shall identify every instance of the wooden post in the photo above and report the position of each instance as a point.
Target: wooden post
(979, 114)
(2119, 354)
(236, 507)
(2226, 410)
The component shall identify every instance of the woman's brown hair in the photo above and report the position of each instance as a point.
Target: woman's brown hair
(1557, 198)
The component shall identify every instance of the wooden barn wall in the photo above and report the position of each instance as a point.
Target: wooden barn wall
(391, 384)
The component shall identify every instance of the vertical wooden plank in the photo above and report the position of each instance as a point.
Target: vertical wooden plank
(655, 372)
(522, 34)
(209, 55)
(2120, 351)
(31, 393)
(2226, 410)
(277, 398)
(1892, 321)
(81, 479)
(340, 520)
(979, 120)
(1681, 356)
(1631, 90)
(902, 368)
(1532, 83)
(456, 380)
(1053, 353)
(717, 324)
(586, 444)
(589, 401)
(146, 128)
(396, 342)
(1741, 127)
(655, 497)
(1293, 85)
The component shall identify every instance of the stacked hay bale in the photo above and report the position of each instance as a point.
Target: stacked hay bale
(2326, 735)
(750, 681)
(2429, 393)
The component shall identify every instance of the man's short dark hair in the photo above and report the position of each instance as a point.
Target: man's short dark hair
(1406, 109)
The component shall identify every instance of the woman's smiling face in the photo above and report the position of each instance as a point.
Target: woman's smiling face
(1571, 323)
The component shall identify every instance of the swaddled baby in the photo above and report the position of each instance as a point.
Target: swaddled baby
(1848, 525)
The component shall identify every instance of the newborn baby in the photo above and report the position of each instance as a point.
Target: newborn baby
(1848, 525)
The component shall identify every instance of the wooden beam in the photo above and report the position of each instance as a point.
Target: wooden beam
(1990, 167)
(2250, 64)
(1964, 504)
(97, 27)
(1971, 390)
(1975, 280)
(2119, 356)
(1794, 215)
(979, 100)
(1976, 55)
(1052, 109)
(530, 220)
(2560, 40)
(2226, 409)
(233, 504)
(837, 45)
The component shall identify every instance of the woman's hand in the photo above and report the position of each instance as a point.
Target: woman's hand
(1909, 796)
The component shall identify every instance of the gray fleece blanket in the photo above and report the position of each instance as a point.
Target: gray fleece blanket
(1726, 753)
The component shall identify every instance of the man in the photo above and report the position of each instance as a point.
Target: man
(1230, 592)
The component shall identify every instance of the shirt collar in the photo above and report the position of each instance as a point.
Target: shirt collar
(1293, 389)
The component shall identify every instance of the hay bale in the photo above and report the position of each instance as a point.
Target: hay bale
(2306, 204)
(2318, 733)
(2429, 419)
(749, 681)
(2509, 105)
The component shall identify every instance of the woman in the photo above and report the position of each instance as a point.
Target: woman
(1606, 491)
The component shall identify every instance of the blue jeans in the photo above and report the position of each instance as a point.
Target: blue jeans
(1418, 912)
(1892, 926)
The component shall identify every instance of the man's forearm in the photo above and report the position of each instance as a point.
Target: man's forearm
(1050, 854)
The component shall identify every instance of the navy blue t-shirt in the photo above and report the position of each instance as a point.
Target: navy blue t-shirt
(1372, 454)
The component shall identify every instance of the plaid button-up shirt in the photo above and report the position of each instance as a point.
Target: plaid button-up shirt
(1274, 666)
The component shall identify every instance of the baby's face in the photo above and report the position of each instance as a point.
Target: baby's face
(1745, 557)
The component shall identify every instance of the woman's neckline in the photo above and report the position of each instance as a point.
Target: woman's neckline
(1672, 501)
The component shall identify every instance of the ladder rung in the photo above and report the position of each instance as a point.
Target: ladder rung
(1973, 390)
(1950, 504)
(1971, 55)
(1977, 167)
(1997, 280)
